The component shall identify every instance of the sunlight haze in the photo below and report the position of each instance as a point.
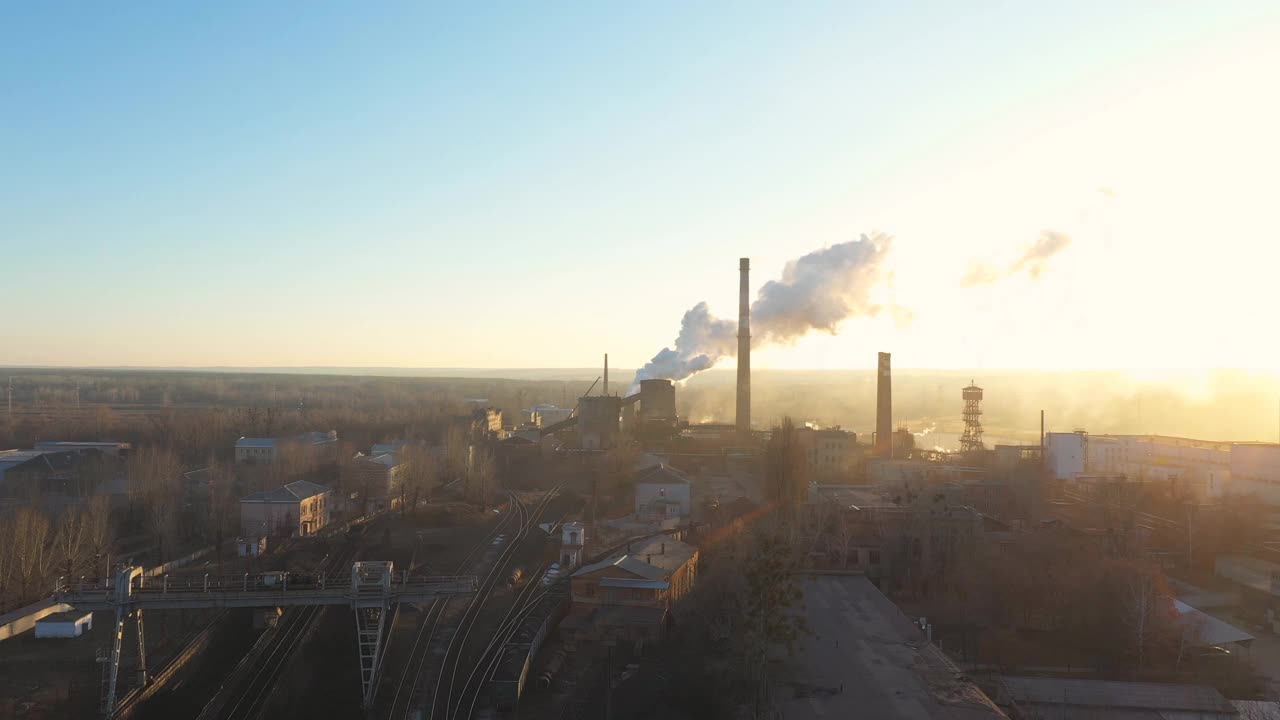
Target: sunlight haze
(256, 187)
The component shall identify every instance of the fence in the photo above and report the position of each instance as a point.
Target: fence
(180, 562)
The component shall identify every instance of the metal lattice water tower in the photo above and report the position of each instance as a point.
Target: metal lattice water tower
(971, 440)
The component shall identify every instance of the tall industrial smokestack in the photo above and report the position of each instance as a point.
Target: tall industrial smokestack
(606, 375)
(884, 409)
(744, 348)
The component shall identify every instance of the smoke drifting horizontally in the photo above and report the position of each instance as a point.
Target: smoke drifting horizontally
(816, 292)
(1033, 259)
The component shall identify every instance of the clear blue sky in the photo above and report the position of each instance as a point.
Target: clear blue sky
(409, 185)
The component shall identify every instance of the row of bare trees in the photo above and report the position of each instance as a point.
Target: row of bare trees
(37, 546)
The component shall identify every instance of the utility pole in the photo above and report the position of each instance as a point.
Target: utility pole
(10, 397)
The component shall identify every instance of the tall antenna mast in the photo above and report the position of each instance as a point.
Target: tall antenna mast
(11, 397)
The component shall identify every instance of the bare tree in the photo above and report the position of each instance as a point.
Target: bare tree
(785, 471)
(32, 552)
(480, 476)
(457, 451)
(71, 538)
(98, 532)
(156, 472)
(419, 476)
(1146, 611)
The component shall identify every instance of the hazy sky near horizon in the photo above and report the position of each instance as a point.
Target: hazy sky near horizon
(401, 184)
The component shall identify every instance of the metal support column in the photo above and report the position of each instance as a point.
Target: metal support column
(142, 651)
(371, 601)
(113, 664)
(370, 624)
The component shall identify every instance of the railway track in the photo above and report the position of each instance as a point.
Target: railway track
(442, 704)
(419, 651)
(257, 673)
(530, 595)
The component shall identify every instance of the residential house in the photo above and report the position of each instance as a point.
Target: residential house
(299, 508)
(376, 480)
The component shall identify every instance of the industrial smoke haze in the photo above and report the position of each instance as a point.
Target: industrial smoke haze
(1032, 260)
(816, 292)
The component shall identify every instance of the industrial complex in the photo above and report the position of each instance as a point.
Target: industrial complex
(536, 561)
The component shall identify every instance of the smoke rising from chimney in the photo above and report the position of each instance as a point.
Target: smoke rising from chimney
(1033, 259)
(816, 292)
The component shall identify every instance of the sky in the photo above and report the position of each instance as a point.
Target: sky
(521, 185)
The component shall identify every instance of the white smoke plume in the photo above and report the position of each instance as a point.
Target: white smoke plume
(816, 292)
(1033, 259)
(702, 342)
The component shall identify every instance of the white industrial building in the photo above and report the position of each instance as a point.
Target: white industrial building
(1064, 454)
(1203, 464)
(64, 624)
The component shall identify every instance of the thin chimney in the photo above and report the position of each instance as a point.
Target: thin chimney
(744, 348)
(884, 408)
(606, 374)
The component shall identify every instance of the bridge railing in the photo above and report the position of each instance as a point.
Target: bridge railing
(246, 584)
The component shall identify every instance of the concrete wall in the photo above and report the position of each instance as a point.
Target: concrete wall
(260, 518)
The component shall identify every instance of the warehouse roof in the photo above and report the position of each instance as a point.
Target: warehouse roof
(651, 559)
(1209, 629)
(661, 474)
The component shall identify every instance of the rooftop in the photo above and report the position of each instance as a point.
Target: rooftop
(293, 492)
(248, 442)
(661, 474)
(1209, 629)
(650, 559)
(1077, 698)
(864, 658)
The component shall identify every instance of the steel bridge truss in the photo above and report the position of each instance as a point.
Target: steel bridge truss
(372, 589)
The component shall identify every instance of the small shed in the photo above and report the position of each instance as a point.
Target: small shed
(251, 547)
(64, 624)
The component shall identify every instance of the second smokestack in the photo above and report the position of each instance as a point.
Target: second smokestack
(884, 408)
(744, 348)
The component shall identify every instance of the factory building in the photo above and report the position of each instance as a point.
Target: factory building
(598, 417)
(115, 449)
(1255, 463)
(1205, 467)
(543, 415)
(1065, 454)
(831, 453)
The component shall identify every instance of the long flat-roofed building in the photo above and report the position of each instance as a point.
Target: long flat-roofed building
(864, 659)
